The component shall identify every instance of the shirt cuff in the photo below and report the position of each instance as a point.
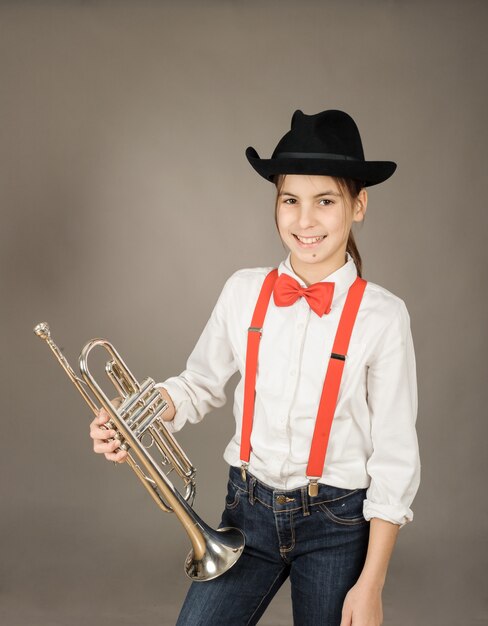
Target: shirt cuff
(179, 398)
(397, 514)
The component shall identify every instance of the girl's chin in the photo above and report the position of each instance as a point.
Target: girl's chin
(307, 257)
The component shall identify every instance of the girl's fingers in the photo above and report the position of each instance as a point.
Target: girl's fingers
(119, 457)
(102, 416)
(101, 447)
(96, 426)
(109, 449)
(101, 433)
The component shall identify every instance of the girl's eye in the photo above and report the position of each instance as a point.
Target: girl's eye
(326, 201)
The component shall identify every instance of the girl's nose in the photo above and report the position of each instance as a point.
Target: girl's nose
(306, 218)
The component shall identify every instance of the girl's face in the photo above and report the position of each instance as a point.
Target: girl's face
(314, 222)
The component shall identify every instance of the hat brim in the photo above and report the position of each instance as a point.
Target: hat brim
(370, 172)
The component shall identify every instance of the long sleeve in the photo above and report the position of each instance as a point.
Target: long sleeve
(200, 387)
(394, 465)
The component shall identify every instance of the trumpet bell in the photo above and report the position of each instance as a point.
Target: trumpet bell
(223, 547)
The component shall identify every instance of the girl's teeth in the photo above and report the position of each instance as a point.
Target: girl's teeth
(309, 239)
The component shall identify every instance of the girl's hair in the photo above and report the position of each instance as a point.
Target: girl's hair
(349, 189)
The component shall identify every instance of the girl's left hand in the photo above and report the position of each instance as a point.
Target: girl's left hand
(362, 606)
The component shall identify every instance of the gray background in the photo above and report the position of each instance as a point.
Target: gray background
(127, 201)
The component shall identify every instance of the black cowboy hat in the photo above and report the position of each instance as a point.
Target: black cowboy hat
(327, 144)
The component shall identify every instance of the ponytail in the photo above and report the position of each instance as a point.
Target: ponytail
(354, 252)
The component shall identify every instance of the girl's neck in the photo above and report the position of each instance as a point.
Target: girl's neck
(315, 272)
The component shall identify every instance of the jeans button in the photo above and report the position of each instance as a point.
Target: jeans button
(281, 499)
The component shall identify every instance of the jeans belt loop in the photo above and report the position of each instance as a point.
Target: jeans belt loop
(252, 482)
(306, 510)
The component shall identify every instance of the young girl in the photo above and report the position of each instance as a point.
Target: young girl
(324, 463)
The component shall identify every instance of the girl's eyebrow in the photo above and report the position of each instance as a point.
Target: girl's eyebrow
(329, 192)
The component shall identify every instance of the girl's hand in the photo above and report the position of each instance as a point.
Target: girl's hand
(100, 437)
(362, 606)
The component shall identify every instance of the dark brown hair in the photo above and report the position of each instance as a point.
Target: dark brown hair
(349, 189)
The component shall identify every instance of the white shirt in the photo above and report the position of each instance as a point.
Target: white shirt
(373, 441)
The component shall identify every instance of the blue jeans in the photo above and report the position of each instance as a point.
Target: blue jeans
(320, 542)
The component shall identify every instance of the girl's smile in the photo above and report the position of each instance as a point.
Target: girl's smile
(309, 241)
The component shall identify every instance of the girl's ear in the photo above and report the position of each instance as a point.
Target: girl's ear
(360, 205)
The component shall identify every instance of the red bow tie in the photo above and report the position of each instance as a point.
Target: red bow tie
(319, 295)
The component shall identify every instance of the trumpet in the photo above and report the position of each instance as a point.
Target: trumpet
(141, 431)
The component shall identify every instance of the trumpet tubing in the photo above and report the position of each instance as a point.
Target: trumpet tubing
(138, 419)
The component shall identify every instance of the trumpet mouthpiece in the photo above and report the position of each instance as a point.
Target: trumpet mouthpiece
(42, 330)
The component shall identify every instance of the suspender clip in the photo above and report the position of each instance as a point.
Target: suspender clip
(244, 467)
(313, 487)
(255, 329)
(341, 357)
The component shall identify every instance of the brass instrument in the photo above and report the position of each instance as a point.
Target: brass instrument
(139, 427)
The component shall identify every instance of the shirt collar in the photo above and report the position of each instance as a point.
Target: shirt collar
(342, 277)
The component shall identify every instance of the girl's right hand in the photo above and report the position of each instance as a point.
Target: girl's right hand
(101, 436)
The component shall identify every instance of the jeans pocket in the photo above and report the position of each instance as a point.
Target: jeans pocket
(233, 495)
(346, 510)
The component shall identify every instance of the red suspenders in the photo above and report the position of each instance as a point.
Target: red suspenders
(330, 391)
(253, 340)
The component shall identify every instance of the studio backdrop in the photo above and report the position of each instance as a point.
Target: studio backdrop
(126, 203)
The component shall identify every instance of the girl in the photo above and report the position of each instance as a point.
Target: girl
(324, 463)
